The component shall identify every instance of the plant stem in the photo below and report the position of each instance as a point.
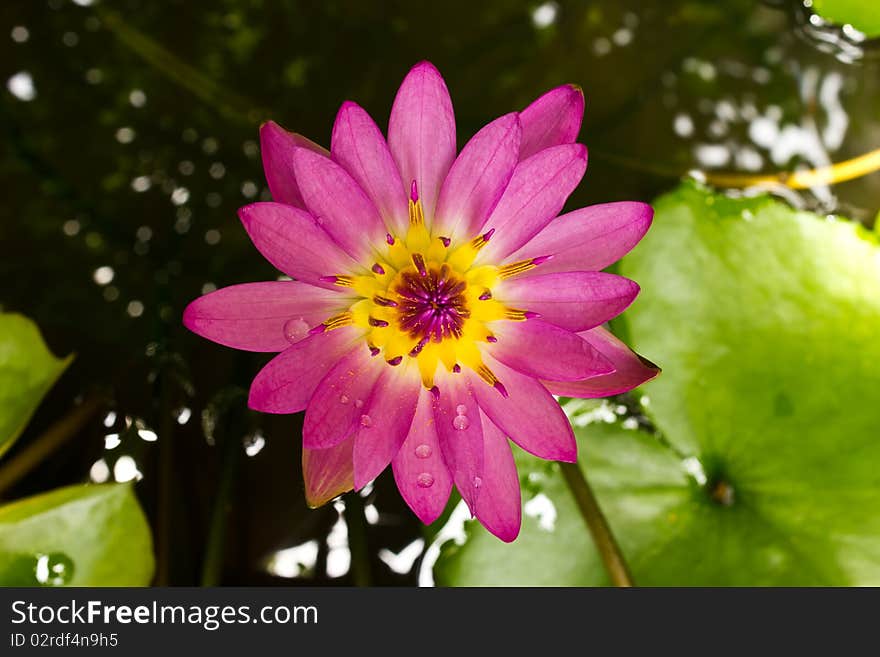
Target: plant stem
(357, 539)
(215, 549)
(42, 446)
(165, 486)
(605, 542)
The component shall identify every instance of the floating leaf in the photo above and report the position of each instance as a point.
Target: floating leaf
(861, 14)
(83, 535)
(27, 372)
(765, 321)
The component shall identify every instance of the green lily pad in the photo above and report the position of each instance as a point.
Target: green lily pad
(861, 14)
(27, 371)
(82, 535)
(765, 321)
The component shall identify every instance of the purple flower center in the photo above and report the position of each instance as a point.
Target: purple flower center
(431, 303)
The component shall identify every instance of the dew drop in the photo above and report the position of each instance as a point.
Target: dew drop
(295, 329)
(425, 480)
(366, 420)
(423, 451)
(54, 569)
(358, 403)
(343, 399)
(461, 409)
(461, 422)
(478, 481)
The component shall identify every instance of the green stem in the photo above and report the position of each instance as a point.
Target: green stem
(357, 539)
(55, 436)
(165, 486)
(605, 542)
(215, 549)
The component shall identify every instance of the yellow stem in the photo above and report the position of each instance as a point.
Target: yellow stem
(827, 175)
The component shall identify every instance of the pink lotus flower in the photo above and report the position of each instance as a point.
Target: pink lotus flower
(438, 301)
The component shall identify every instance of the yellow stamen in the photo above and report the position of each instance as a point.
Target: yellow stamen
(416, 213)
(486, 374)
(516, 315)
(338, 321)
(516, 268)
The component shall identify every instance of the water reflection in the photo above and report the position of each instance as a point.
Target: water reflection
(21, 85)
(293, 561)
(845, 42)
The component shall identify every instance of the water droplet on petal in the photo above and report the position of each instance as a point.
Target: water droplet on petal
(423, 451)
(343, 399)
(358, 403)
(425, 480)
(461, 422)
(478, 481)
(366, 421)
(461, 409)
(295, 329)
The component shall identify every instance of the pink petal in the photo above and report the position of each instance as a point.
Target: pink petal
(588, 239)
(631, 369)
(477, 179)
(338, 407)
(358, 145)
(419, 470)
(575, 300)
(553, 119)
(328, 473)
(288, 381)
(545, 351)
(277, 146)
(294, 243)
(528, 414)
(460, 433)
(266, 316)
(390, 414)
(536, 193)
(499, 506)
(421, 132)
(339, 204)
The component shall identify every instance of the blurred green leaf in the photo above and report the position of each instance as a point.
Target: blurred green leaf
(861, 14)
(82, 535)
(27, 372)
(765, 321)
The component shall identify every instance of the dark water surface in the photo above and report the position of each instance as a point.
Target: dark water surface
(129, 139)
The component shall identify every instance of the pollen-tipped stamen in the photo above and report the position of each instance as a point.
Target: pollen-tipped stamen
(517, 315)
(337, 321)
(340, 280)
(416, 212)
(415, 351)
(480, 241)
(384, 301)
(521, 266)
(419, 262)
(489, 377)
